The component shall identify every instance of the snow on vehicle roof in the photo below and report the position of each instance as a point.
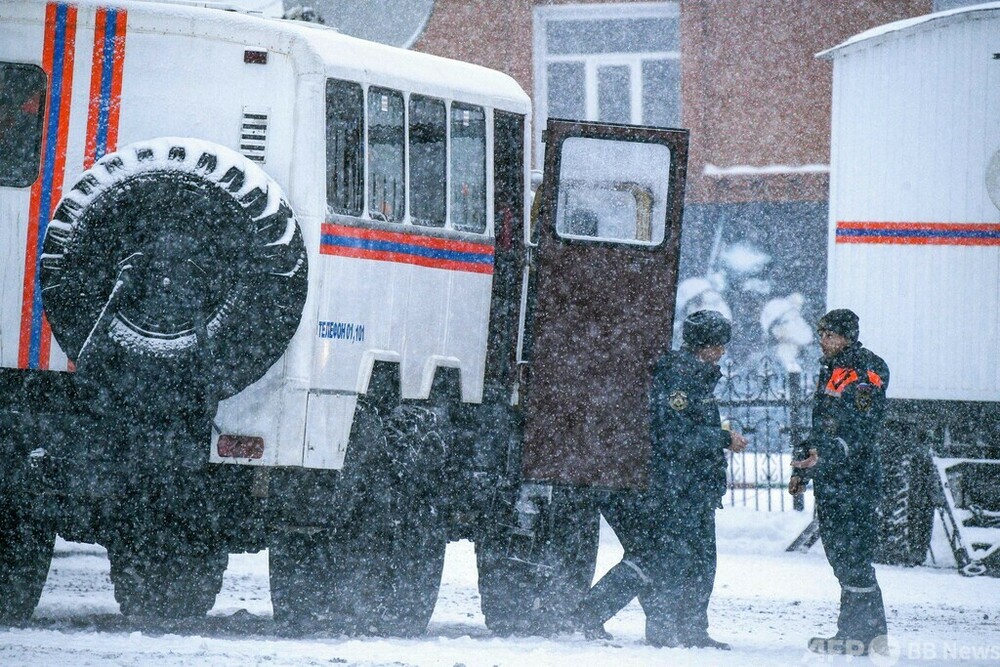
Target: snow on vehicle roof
(897, 29)
(320, 49)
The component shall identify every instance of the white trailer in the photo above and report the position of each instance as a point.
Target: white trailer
(914, 239)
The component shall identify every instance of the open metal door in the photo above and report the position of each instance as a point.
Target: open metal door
(602, 306)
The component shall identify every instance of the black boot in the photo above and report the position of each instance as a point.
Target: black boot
(707, 642)
(862, 614)
(606, 598)
(861, 620)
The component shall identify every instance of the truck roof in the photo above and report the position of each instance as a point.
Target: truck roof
(897, 29)
(316, 48)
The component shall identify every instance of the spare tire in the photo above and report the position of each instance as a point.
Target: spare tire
(204, 245)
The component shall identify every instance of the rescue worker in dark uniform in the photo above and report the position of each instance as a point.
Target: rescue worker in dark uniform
(841, 457)
(668, 529)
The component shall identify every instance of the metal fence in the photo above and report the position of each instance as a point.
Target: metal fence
(771, 408)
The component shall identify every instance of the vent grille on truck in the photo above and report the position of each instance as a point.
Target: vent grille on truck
(253, 134)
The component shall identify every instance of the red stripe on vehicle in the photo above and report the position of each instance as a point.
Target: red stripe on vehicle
(410, 239)
(57, 61)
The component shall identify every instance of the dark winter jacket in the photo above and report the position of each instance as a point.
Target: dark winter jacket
(847, 413)
(688, 465)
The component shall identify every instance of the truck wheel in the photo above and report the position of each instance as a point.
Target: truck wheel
(26, 543)
(199, 239)
(167, 561)
(381, 565)
(533, 588)
(164, 576)
(908, 509)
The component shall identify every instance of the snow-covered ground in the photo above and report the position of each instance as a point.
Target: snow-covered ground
(767, 603)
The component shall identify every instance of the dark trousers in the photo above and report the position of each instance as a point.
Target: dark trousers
(629, 517)
(847, 526)
(683, 577)
(669, 563)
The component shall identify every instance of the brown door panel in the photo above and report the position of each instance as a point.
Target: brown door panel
(604, 295)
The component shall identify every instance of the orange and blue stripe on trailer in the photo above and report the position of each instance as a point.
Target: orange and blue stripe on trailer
(918, 233)
(58, 59)
(388, 246)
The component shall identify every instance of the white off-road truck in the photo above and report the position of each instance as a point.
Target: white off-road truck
(263, 285)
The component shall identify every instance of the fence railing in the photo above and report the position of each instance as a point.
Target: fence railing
(771, 408)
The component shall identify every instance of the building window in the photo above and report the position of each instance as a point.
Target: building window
(22, 107)
(615, 63)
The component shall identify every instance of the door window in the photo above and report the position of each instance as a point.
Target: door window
(613, 191)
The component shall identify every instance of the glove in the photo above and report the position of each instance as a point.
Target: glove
(804, 460)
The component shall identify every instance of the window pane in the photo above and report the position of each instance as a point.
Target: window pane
(567, 91)
(468, 168)
(614, 103)
(386, 193)
(661, 93)
(22, 106)
(427, 161)
(344, 148)
(613, 36)
(613, 191)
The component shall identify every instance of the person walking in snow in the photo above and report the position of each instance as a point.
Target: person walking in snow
(668, 530)
(841, 457)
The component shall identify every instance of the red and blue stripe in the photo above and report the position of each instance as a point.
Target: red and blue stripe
(389, 246)
(57, 60)
(105, 84)
(918, 233)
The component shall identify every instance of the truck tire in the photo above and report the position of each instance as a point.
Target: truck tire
(908, 509)
(161, 573)
(26, 543)
(172, 581)
(167, 558)
(378, 571)
(198, 238)
(536, 594)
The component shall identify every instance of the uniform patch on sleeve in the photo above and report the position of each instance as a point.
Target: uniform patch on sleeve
(864, 398)
(678, 400)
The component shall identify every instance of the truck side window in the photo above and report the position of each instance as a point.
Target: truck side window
(428, 159)
(345, 176)
(468, 168)
(386, 184)
(22, 107)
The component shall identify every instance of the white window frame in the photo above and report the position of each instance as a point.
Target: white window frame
(592, 61)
